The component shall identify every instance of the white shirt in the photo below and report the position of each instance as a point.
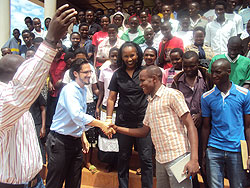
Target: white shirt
(237, 19)
(186, 36)
(158, 37)
(20, 155)
(210, 15)
(41, 34)
(217, 35)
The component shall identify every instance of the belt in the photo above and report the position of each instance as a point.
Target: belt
(31, 183)
(67, 137)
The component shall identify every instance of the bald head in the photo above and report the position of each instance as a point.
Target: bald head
(220, 71)
(153, 70)
(223, 64)
(235, 41)
(8, 66)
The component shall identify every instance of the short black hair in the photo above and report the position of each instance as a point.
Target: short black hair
(90, 10)
(103, 16)
(113, 26)
(76, 66)
(141, 2)
(151, 48)
(48, 18)
(80, 51)
(113, 49)
(74, 33)
(83, 24)
(37, 39)
(33, 36)
(16, 30)
(199, 28)
(69, 55)
(180, 51)
(221, 2)
(27, 18)
(139, 54)
(26, 31)
(190, 54)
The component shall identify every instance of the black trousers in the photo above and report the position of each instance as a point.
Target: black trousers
(144, 147)
(65, 160)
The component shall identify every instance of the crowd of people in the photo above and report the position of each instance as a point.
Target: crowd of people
(166, 82)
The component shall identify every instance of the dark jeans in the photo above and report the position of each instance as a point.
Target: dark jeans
(65, 160)
(144, 146)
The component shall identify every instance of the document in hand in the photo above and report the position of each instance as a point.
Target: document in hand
(178, 167)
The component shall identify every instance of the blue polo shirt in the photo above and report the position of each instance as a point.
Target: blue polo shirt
(227, 117)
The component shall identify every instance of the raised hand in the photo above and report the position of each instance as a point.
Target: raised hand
(60, 23)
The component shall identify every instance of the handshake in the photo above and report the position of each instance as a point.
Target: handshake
(108, 128)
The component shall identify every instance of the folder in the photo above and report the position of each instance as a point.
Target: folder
(244, 153)
(178, 167)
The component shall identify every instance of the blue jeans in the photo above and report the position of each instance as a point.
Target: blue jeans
(220, 161)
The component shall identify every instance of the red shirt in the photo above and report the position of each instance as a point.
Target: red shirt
(175, 42)
(56, 72)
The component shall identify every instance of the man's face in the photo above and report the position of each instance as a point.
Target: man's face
(149, 57)
(190, 66)
(118, 5)
(234, 50)
(185, 23)
(193, 9)
(219, 11)
(219, 74)
(113, 57)
(112, 33)
(81, 15)
(199, 37)
(177, 4)
(29, 54)
(6, 51)
(59, 48)
(166, 30)
(37, 24)
(84, 31)
(138, 6)
(166, 11)
(144, 17)
(149, 35)
(212, 3)
(30, 26)
(134, 23)
(75, 39)
(47, 22)
(118, 20)
(27, 21)
(146, 83)
(26, 38)
(104, 22)
(232, 4)
(89, 16)
(83, 76)
(16, 34)
(156, 23)
(131, 10)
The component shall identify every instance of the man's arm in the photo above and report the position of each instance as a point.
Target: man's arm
(192, 167)
(205, 131)
(28, 81)
(135, 132)
(43, 115)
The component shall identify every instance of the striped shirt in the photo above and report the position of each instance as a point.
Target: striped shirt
(20, 156)
(168, 133)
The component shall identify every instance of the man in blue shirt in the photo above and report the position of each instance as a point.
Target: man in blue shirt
(226, 121)
(66, 137)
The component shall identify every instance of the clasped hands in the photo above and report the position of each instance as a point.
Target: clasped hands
(107, 128)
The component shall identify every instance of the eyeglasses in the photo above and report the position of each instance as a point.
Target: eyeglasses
(86, 72)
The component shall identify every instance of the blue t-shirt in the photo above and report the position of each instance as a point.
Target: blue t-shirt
(227, 117)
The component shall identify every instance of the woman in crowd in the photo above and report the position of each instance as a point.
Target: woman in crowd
(119, 20)
(150, 56)
(131, 109)
(108, 148)
(176, 60)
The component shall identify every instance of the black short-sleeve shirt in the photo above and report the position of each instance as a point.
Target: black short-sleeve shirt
(132, 100)
(36, 111)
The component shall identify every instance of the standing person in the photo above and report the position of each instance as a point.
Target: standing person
(118, 19)
(108, 148)
(111, 41)
(133, 34)
(75, 39)
(193, 81)
(47, 22)
(39, 32)
(14, 43)
(57, 70)
(166, 117)
(93, 27)
(131, 109)
(240, 65)
(149, 39)
(150, 56)
(210, 14)
(20, 86)
(246, 41)
(168, 43)
(226, 120)
(220, 30)
(176, 58)
(167, 11)
(28, 42)
(144, 21)
(156, 25)
(67, 133)
(195, 18)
